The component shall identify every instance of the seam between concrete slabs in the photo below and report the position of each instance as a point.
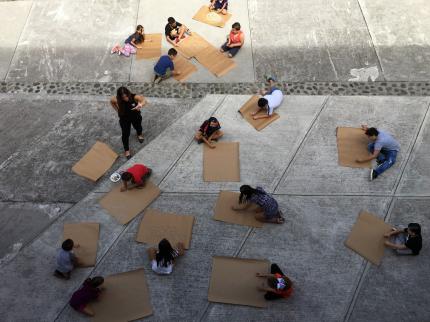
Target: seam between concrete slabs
(133, 57)
(19, 40)
(300, 147)
(387, 216)
(250, 40)
(371, 39)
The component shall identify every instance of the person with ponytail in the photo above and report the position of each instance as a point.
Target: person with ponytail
(265, 202)
(163, 258)
(88, 292)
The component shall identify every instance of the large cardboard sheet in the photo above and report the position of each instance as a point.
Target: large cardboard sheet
(86, 234)
(211, 17)
(367, 237)
(223, 211)
(250, 107)
(183, 66)
(125, 298)
(192, 45)
(95, 162)
(221, 164)
(156, 225)
(124, 206)
(352, 145)
(151, 47)
(234, 281)
(216, 62)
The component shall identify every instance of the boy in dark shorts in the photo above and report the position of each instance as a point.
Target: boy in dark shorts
(406, 241)
(174, 31)
(209, 131)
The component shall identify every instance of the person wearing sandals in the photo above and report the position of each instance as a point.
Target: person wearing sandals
(268, 206)
(128, 107)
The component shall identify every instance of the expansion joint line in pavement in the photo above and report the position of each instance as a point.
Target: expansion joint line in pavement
(299, 148)
(252, 49)
(387, 216)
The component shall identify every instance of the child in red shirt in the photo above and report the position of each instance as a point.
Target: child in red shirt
(135, 177)
(280, 286)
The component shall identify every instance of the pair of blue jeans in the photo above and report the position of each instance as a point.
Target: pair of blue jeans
(385, 159)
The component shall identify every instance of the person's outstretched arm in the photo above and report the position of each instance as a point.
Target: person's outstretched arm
(141, 101)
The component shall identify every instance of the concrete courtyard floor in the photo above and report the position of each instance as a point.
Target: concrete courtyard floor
(295, 159)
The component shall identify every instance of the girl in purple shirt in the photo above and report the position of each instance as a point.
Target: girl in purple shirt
(88, 292)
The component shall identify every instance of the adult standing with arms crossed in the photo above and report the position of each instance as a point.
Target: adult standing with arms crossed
(128, 106)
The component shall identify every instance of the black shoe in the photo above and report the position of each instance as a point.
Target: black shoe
(373, 175)
(200, 141)
(140, 140)
(128, 157)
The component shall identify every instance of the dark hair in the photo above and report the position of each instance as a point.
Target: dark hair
(212, 119)
(247, 192)
(236, 26)
(126, 176)
(415, 228)
(139, 38)
(119, 94)
(95, 281)
(262, 102)
(67, 245)
(171, 20)
(372, 132)
(139, 27)
(165, 254)
(172, 52)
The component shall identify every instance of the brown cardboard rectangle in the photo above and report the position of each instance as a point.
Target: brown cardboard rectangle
(222, 163)
(192, 45)
(250, 107)
(95, 162)
(234, 281)
(352, 145)
(215, 61)
(156, 225)
(125, 298)
(86, 234)
(151, 47)
(124, 206)
(183, 66)
(367, 237)
(204, 15)
(223, 211)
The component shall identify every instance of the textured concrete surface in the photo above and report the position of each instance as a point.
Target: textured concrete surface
(332, 283)
(311, 40)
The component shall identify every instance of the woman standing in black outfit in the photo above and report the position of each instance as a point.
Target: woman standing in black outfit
(128, 106)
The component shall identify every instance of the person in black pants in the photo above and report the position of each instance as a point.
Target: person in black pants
(128, 107)
(280, 286)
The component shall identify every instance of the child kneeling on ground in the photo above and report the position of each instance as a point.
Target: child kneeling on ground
(66, 259)
(280, 286)
(88, 292)
(209, 131)
(163, 259)
(135, 177)
(406, 241)
(267, 204)
(165, 68)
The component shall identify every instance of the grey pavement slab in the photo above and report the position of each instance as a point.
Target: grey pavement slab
(311, 40)
(154, 21)
(13, 16)
(416, 178)
(315, 169)
(73, 41)
(398, 289)
(400, 33)
(264, 155)
(47, 162)
(27, 282)
(21, 222)
(309, 249)
(181, 296)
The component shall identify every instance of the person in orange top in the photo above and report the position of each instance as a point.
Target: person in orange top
(135, 177)
(235, 41)
(280, 286)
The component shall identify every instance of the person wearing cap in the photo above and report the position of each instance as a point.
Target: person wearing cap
(383, 147)
(209, 131)
(280, 286)
(135, 177)
(405, 241)
(271, 100)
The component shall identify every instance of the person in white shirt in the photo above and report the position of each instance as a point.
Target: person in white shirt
(270, 101)
(163, 258)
